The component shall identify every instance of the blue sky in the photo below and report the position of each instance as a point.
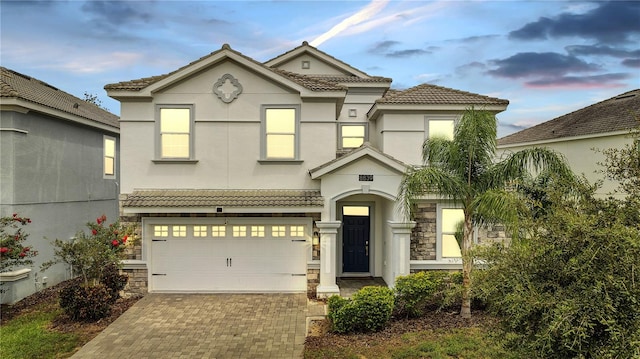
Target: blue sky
(547, 58)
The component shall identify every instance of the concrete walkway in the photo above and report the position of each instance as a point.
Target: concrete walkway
(205, 326)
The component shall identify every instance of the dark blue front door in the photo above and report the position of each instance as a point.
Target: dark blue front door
(355, 243)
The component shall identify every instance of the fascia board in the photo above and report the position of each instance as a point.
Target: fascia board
(13, 104)
(564, 139)
(378, 109)
(226, 209)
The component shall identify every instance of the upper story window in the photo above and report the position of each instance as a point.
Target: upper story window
(352, 135)
(440, 128)
(281, 132)
(109, 163)
(175, 128)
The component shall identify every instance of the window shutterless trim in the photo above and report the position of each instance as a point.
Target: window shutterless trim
(158, 134)
(263, 135)
(105, 175)
(340, 137)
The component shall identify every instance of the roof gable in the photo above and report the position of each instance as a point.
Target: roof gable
(308, 50)
(35, 93)
(364, 151)
(618, 113)
(150, 85)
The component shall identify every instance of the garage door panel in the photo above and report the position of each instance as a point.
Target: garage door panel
(228, 264)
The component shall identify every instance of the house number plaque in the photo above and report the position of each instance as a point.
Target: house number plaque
(365, 178)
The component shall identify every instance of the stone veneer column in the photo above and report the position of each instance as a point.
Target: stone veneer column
(400, 248)
(328, 233)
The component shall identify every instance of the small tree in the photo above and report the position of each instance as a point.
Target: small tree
(89, 254)
(463, 171)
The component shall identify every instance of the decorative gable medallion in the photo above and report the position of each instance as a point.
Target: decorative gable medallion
(227, 88)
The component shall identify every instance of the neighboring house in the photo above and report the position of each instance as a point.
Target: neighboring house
(58, 166)
(578, 134)
(280, 176)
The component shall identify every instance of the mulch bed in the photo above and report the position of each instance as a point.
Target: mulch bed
(430, 321)
(48, 299)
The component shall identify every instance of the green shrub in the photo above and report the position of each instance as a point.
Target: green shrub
(86, 303)
(419, 292)
(369, 310)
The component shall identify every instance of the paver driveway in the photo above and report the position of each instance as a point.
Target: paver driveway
(205, 326)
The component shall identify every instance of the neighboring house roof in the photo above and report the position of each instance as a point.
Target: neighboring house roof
(14, 85)
(618, 113)
(432, 94)
(224, 198)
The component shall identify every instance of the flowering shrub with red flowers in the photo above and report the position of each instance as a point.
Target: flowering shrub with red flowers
(88, 254)
(95, 257)
(13, 252)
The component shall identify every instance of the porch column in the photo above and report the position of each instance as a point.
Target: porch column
(328, 233)
(400, 248)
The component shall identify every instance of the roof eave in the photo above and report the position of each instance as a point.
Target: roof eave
(378, 108)
(563, 139)
(355, 155)
(305, 47)
(23, 106)
(226, 209)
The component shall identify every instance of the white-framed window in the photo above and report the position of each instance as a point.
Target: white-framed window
(218, 231)
(352, 135)
(280, 126)
(160, 231)
(447, 222)
(440, 126)
(179, 231)
(199, 231)
(297, 231)
(257, 231)
(109, 155)
(175, 132)
(239, 231)
(278, 231)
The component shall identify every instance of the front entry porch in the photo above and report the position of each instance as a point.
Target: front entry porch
(348, 286)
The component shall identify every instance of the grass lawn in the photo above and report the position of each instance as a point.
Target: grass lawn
(429, 337)
(29, 336)
(36, 327)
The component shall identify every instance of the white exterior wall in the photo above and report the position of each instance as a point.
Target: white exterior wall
(581, 155)
(317, 66)
(227, 142)
(402, 135)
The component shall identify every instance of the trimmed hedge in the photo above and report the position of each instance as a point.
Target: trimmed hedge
(86, 303)
(368, 311)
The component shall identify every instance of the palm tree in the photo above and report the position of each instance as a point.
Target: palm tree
(463, 171)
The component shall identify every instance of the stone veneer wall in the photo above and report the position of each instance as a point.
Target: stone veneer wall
(423, 235)
(313, 280)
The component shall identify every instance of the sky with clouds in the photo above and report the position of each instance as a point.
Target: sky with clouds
(547, 58)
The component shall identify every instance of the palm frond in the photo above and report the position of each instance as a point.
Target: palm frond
(419, 181)
(475, 136)
(522, 164)
(498, 207)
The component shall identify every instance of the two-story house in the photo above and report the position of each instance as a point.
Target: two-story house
(280, 176)
(58, 166)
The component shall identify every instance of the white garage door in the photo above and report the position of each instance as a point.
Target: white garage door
(237, 256)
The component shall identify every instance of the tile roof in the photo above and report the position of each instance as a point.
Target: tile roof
(16, 85)
(224, 198)
(350, 79)
(313, 84)
(432, 94)
(615, 114)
